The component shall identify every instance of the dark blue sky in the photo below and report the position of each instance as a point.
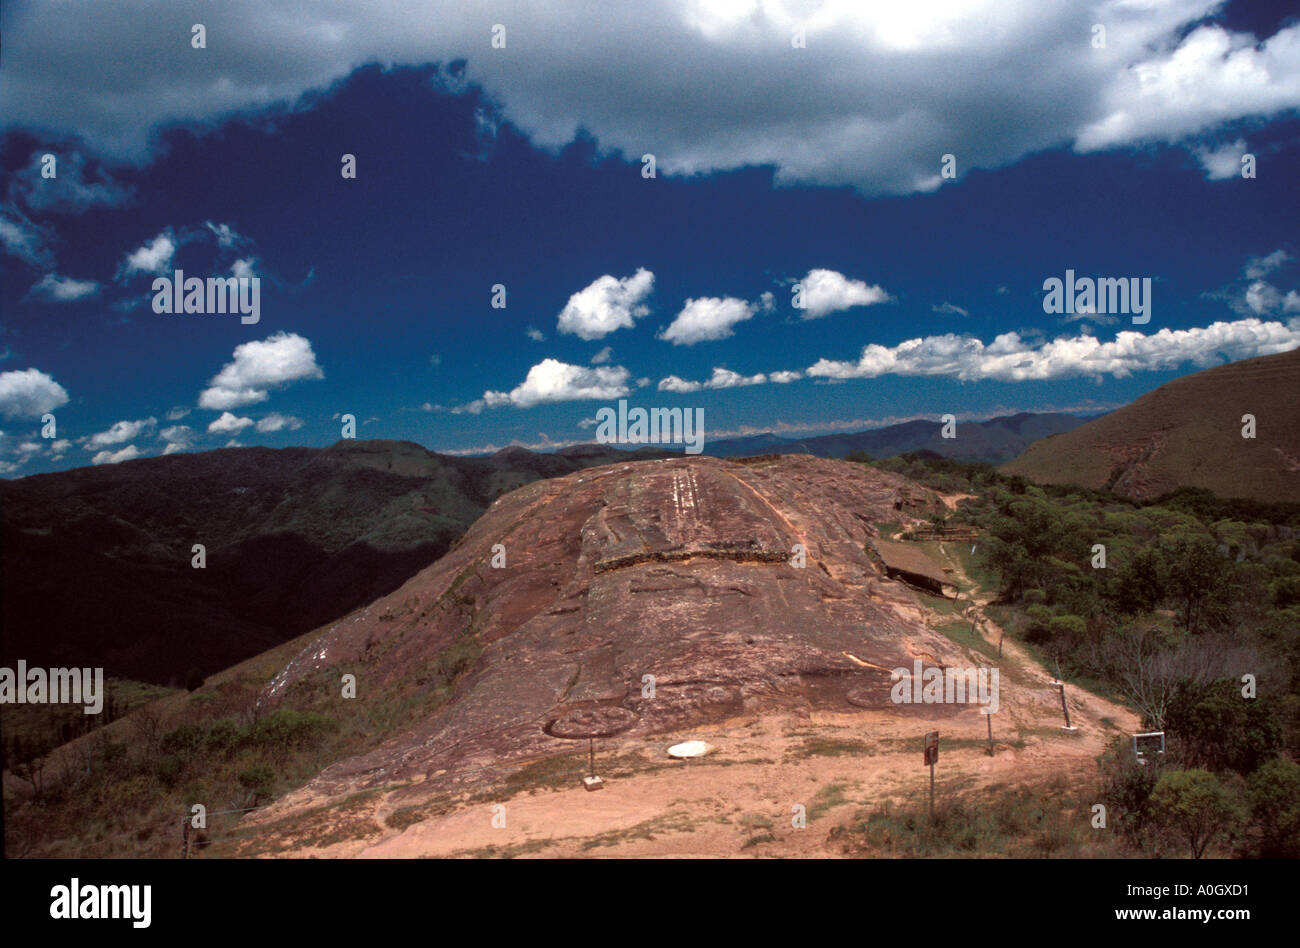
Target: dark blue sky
(388, 278)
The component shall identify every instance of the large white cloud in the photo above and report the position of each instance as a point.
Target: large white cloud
(554, 381)
(707, 319)
(1211, 76)
(609, 303)
(29, 393)
(1009, 358)
(880, 92)
(827, 291)
(259, 367)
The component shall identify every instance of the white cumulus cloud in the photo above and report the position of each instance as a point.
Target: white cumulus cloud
(607, 304)
(707, 319)
(114, 457)
(553, 381)
(120, 432)
(229, 423)
(1009, 358)
(29, 393)
(153, 257)
(722, 378)
(278, 422)
(259, 367)
(827, 291)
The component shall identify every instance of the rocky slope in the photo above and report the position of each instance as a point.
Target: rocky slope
(635, 599)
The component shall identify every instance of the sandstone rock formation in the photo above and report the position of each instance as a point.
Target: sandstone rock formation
(677, 569)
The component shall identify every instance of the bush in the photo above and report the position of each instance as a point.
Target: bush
(1196, 806)
(1221, 730)
(223, 736)
(184, 740)
(257, 780)
(284, 729)
(1274, 795)
(1071, 627)
(1039, 629)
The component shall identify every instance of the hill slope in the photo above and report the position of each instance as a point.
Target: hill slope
(993, 441)
(677, 569)
(97, 560)
(1188, 433)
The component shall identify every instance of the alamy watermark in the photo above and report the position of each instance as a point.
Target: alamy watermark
(651, 426)
(215, 295)
(1104, 296)
(935, 685)
(53, 686)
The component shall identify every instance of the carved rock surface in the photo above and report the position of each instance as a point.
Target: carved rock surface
(635, 599)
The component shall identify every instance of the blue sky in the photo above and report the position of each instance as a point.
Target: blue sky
(478, 166)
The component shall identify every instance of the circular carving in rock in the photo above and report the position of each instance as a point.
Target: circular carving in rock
(592, 722)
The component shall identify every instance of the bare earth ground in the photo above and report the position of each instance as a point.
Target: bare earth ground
(740, 799)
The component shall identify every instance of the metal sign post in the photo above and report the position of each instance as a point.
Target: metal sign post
(931, 756)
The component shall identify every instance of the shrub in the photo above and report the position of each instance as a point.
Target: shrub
(1196, 806)
(1274, 795)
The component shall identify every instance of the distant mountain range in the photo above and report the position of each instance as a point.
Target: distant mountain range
(995, 441)
(1188, 433)
(98, 560)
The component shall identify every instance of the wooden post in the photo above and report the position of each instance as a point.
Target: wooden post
(591, 756)
(931, 757)
(1064, 707)
(1001, 635)
(932, 792)
(989, 718)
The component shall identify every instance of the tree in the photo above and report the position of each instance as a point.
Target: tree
(1196, 806)
(1221, 730)
(1197, 577)
(1151, 673)
(1136, 587)
(1274, 795)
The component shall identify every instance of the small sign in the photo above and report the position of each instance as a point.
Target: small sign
(1147, 743)
(931, 747)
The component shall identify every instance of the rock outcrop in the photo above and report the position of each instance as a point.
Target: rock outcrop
(632, 599)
